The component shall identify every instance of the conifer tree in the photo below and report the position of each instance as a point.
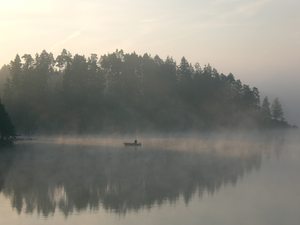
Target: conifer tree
(277, 112)
(265, 109)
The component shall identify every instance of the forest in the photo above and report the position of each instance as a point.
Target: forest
(127, 92)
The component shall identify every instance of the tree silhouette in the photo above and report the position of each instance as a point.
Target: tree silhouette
(277, 112)
(127, 92)
(265, 109)
(7, 130)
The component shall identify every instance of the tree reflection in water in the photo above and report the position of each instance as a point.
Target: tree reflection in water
(44, 178)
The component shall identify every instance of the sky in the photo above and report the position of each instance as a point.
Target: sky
(257, 40)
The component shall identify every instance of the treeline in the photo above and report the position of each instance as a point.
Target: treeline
(128, 92)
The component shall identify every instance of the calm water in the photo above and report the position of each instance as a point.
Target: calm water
(213, 179)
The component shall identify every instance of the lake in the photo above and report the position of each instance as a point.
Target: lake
(224, 178)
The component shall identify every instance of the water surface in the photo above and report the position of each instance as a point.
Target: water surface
(193, 179)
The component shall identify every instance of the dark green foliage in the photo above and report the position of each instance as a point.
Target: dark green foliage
(7, 130)
(126, 92)
(4, 74)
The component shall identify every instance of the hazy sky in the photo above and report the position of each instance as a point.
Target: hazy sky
(257, 40)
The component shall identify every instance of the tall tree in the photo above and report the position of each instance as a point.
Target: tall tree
(265, 109)
(64, 59)
(16, 70)
(277, 112)
(7, 129)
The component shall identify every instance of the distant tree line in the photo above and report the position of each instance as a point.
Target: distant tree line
(128, 92)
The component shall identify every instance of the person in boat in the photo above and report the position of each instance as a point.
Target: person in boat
(135, 142)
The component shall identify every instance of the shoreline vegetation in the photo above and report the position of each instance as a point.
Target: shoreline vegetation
(127, 92)
(7, 129)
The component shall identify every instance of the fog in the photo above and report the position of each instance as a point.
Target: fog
(149, 112)
(61, 179)
(94, 172)
(283, 84)
(287, 89)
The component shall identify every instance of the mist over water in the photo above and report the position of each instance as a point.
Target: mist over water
(56, 180)
(149, 112)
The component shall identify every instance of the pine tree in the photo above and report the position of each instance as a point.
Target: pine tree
(265, 109)
(277, 112)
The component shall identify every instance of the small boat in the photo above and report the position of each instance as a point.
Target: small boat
(133, 144)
